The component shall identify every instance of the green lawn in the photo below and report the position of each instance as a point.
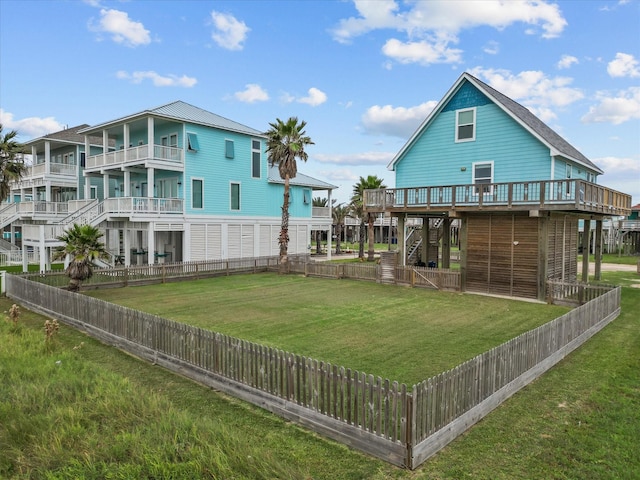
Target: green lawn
(100, 413)
(398, 333)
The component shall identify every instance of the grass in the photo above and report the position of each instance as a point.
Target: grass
(100, 413)
(73, 408)
(614, 258)
(399, 333)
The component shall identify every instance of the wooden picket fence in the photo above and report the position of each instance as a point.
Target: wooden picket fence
(384, 418)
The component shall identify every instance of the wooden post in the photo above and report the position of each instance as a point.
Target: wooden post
(586, 233)
(446, 242)
(598, 250)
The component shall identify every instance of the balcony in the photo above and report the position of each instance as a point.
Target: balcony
(321, 212)
(38, 174)
(559, 195)
(171, 158)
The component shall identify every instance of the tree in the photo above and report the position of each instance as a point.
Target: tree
(339, 213)
(286, 142)
(12, 165)
(82, 244)
(372, 182)
(319, 202)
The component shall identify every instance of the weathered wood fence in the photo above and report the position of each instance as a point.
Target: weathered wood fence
(401, 425)
(442, 279)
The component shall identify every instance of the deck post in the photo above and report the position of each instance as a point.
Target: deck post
(586, 233)
(597, 250)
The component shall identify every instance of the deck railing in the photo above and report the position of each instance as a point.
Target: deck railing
(539, 195)
(135, 155)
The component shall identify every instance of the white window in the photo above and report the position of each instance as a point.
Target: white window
(483, 175)
(466, 125)
(569, 175)
(234, 194)
(255, 158)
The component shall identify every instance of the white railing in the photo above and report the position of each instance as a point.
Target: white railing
(136, 154)
(31, 233)
(321, 212)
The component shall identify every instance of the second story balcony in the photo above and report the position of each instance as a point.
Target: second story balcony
(158, 156)
(560, 195)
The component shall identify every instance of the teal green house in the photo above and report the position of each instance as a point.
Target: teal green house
(179, 183)
(514, 187)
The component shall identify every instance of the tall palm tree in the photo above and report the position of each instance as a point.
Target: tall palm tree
(339, 213)
(372, 182)
(82, 244)
(12, 165)
(286, 142)
(319, 202)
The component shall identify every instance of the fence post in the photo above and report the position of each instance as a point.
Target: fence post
(126, 276)
(410, 426)
(163, 274)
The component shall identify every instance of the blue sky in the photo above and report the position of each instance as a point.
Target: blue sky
(362, 74)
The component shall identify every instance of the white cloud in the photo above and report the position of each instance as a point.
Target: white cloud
(624, 65)
(566, 61)
(158, 80)
(491, 47)
(252, 93)
(533, 89)
(422, 52)
(356, 159)
(31, 127)
(616, 109)
(396, 121)
(621, 174)
(228, 32)
(431, 26)
(338, 175)
(121, 28)
(316, 97)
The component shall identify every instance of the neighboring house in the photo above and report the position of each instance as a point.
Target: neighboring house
(517, 187)
(179, 183)
(52, 187)
(628, 231)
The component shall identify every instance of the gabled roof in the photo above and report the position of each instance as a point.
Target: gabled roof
(184, 112)
(68, 135)
(300, 180)
(535, 126)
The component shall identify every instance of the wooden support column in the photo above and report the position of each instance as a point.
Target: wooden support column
(597, 250)
(586, 233)
(402, 235)
(446, 242)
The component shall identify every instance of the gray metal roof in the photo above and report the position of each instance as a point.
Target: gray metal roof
(68, 135)
(519, 113)
(185, 112)
(535, 124)
(300, 180)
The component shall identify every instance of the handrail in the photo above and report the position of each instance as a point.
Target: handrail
(547, 194)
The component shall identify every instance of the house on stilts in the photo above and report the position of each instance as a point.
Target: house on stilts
(515, 187)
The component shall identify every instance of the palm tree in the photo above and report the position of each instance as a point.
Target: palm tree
(285, 143)
(372, 182)
(339, 213)
(12, 165)
(82, 244)
(319, 202)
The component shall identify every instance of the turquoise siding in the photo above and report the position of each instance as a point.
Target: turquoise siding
(436, 159)
(257, 196)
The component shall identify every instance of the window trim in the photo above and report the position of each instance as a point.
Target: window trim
(476, 190)
(201, 180)
(231, 184)
(253, 152)
(473, 124)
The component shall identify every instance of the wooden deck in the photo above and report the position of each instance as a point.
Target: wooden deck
(550, 195)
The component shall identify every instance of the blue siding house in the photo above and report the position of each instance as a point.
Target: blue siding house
(516, 189)
(179, 183)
